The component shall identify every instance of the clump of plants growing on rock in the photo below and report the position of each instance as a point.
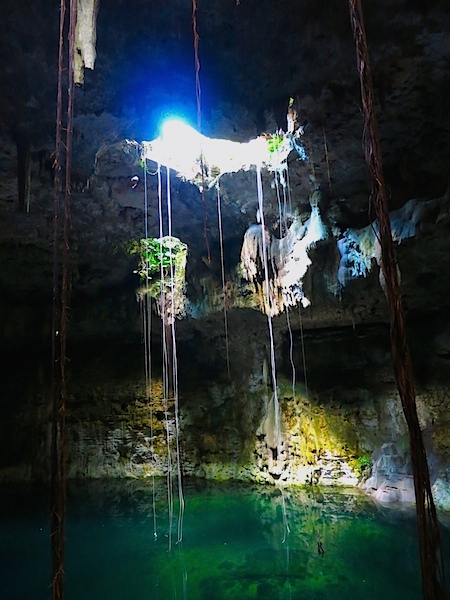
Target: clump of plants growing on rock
(274, 142)
(363, 464)
(162, 268)
(158, 255)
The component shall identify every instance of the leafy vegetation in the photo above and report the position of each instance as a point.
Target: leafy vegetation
(274, 142)
(158, 256)
(162, 269)
(363, 463)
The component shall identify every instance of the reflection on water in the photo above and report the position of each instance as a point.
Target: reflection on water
(240, 542)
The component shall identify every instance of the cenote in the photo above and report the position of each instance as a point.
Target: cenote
(239, 541)
(223, 259)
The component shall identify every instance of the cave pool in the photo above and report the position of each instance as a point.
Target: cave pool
(236, 543)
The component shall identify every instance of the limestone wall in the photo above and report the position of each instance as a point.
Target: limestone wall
(339, 435)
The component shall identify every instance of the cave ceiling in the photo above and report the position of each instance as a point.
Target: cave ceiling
(255, 55)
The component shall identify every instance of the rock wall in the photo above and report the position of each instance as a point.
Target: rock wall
(342, 428)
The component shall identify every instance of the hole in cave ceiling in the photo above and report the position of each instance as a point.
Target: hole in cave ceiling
(203, 160)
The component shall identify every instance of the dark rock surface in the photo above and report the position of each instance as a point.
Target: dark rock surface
(255, 55)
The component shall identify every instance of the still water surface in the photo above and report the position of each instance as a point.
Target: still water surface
(239, 542)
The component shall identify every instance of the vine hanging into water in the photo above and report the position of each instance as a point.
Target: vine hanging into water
(431, 557)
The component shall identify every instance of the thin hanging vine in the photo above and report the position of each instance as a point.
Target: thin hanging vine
(162, 265)
(63, 151)
(198, 94)
(224, 283)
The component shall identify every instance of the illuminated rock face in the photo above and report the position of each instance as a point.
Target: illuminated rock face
(252, 63)
(348, 415)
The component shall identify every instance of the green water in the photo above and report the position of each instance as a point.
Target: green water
(235, 544)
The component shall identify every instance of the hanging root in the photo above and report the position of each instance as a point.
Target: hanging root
(224, 283)
(431, 558)
(325, 146)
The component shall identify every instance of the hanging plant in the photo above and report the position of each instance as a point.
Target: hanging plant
(158, 256)
(162, 268)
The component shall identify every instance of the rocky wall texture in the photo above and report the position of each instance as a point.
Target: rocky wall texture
(341, 428)
(340, 419)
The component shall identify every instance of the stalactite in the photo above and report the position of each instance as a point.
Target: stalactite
(431, 558)
(85, 38)
(287, 260)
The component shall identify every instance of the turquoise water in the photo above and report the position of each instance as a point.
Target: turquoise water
(236, 544)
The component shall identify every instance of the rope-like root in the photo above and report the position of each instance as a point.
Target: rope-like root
(61, 300)
(431, 558)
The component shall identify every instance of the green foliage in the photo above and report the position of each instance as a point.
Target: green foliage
(144, 166)
(162, 268)
(274, 142)
(158, 254)
(363, 463)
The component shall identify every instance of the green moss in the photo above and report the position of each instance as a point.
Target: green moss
(363, 463)
(315, 428)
